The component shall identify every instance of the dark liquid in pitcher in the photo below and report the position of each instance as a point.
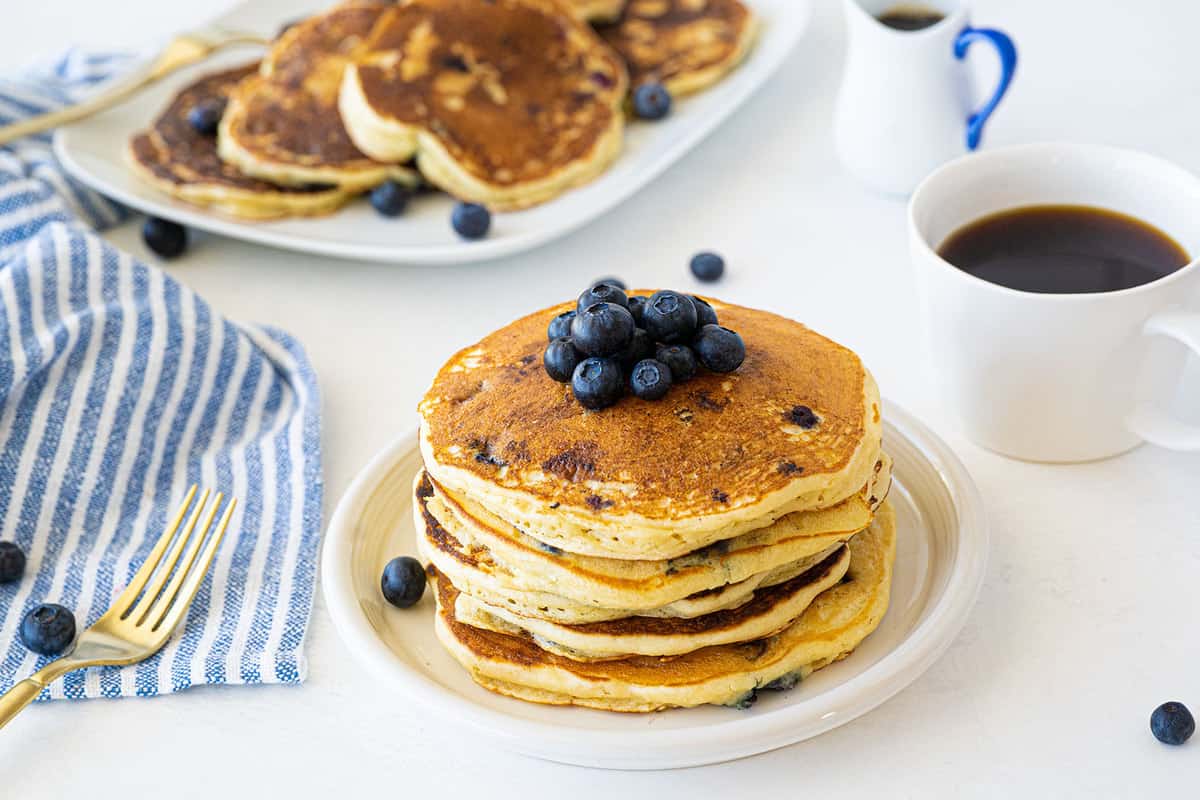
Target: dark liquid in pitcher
(910, 18)
(1063, 249)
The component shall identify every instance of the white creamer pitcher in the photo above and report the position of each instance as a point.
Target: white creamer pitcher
(906, 102)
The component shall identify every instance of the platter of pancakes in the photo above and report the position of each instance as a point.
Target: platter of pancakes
(524, 106)
(754, 559)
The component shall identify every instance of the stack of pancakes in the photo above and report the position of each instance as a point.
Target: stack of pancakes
(507, 103)
(730, 538)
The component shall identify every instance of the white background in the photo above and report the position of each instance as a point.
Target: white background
(1086, 622)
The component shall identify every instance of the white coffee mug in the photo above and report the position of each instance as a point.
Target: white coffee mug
(907, 103)
(1059, 377)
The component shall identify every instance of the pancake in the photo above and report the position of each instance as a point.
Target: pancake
(177, 160)
(720, 456)
(506, 103)
(282, 124)
(770, 610)
(481, 554)
(686, 45)
(596, 10)
(833, 625)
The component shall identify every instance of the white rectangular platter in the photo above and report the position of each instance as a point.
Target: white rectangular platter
(93, 152)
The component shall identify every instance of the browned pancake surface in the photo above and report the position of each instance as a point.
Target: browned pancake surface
(667, 40)
(173, 151)
(712, 444)
(289, 114)
(514, 90)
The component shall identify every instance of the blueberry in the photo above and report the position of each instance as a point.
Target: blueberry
(602, 329)
(167, 239)
(650, 379)
(598, 382)
(560, 326)
(670, 317)
(640, 346)
(743, 702)
(651, 101)
(705, 315)
(602, 293)
(12, 562)
(679, 358)
(560, 360)
(390, 198)
(403, 581)
(637, 307)
(785, 682)
(470, 220)
(205, 116)
(719, 349)
(1172, 723)
(707, 267)
(48, 629)
(617, 282)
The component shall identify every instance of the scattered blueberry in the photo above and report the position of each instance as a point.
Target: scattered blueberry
(617, 282)
(650, 379)
(679, 358)
(560, 326)
(470, 220)
(641, 346)
(1172, 723)
(560, 360)
(165, 238)
(670, 317)
(602, 293)
(205, 116)
(48, 629)
(12, 562)
(390, 198)
(707, 267)
(651, 101)
(602, 329)
(637, 307)
(403, 581)
(598, 382)
(719, 349)
(705, 315)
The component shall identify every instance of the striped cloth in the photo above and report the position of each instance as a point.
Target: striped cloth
(119, 387)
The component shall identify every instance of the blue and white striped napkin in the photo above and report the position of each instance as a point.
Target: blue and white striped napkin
(119, 388)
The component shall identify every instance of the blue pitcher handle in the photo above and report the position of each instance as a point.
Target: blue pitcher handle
(1008, 65)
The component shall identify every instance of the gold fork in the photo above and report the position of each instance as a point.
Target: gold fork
(142, 619)
(183, 50)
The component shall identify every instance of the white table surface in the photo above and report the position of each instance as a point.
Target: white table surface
(1087, 619)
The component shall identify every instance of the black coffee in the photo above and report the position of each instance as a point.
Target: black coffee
(910, 18)
(1063, 250)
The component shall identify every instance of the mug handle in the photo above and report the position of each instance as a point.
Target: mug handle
(1152, 423)
(1008, 65)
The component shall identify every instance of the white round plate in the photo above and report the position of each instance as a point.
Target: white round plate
(942, 546)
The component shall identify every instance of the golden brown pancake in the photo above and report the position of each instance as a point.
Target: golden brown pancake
(831, 627)
(183, 163)
(506, 103)
(283, 124)
(719, 456)
(685, 45)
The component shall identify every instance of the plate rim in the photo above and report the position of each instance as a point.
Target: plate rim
(799, 16)
(675, 748)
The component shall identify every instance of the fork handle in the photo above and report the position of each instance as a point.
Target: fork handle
(179, 53)
(16, 698)
(24, 693)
